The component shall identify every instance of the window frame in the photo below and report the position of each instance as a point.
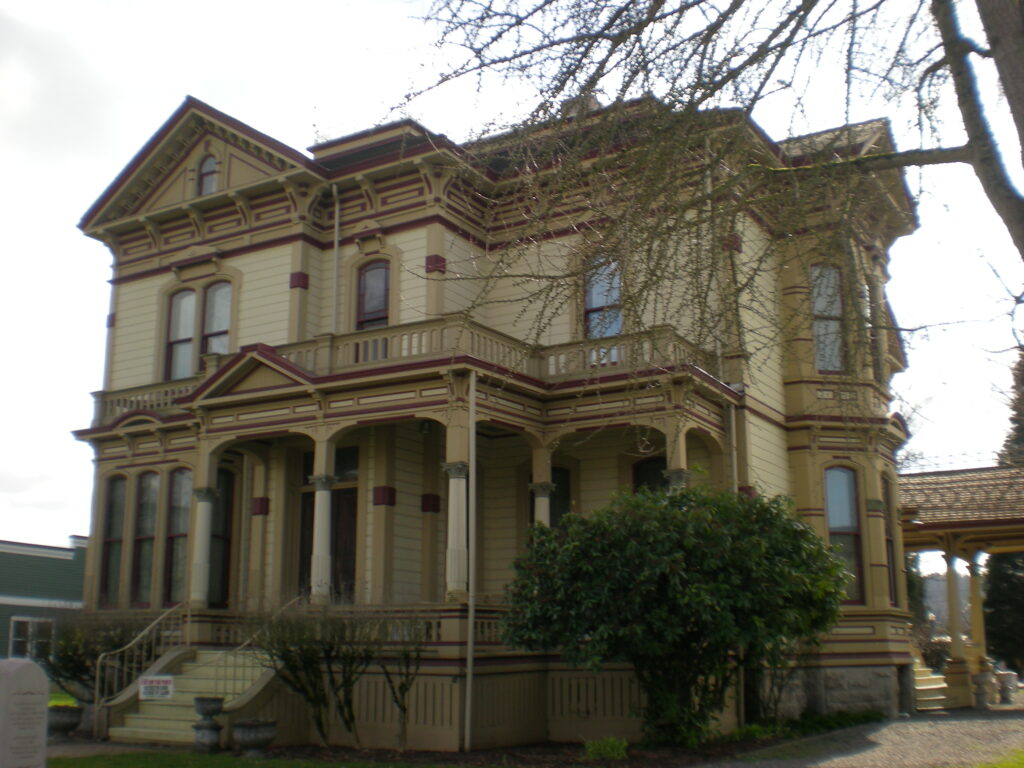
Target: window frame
(853, 553)
(207, 176)
(110, 560)
(147, 501)
(890, 541)
(369, 319)
(200, 338)
(827, 318)
(172, 536)
(609, 267)
(32, 639)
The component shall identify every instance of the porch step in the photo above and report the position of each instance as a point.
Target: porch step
(929, 687)
(171, 721)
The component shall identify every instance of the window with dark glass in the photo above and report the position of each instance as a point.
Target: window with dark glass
(602, 312)
(827, 309)
(113, 533)
(650, 474)
(372, 304)
(176, 555)
(146, 499)
(220, 540)
(842, 511)
(30, 638)
(207, 180)
(183, 343)
(561, 494)
(890, 546)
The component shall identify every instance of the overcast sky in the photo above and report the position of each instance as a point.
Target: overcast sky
(84, 84)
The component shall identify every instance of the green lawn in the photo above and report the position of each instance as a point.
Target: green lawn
(1016, 760)
(191, 760)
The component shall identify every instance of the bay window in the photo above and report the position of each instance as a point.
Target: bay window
(827, 310)
(843, 514)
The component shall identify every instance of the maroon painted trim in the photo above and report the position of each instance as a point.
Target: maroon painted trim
(733, 242)
(242, 435)
(435, 262)
(298, 280)
(301, 237)
(430, 502)
(982, 522)
(384, 495)
(260, 506)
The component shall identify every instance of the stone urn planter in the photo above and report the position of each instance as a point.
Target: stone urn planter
(62, 720)
(207, 729)
(253, 736)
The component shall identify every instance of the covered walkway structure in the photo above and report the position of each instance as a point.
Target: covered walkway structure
(964, 513)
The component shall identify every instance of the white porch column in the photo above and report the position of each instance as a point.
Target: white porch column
(456, 562)
(541, 485)
(199, 581)
(956, 647)
(977, 605)
(320, 560)
(542, 502)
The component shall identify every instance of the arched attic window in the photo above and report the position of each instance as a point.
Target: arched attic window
(206, 181)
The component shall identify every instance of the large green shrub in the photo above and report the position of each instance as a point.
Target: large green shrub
(680, 586)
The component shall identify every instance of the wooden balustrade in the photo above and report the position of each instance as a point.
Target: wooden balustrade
(449, 337)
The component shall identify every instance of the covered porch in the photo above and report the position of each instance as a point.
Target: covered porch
(965, 514)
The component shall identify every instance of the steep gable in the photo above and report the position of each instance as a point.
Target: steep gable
(163, 173)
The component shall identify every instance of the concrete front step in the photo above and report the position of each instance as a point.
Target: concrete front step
(930, 689)
(171, 721)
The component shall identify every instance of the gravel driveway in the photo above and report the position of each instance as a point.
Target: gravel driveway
(940, 740)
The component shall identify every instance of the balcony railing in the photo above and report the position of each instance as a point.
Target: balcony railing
(447, 338)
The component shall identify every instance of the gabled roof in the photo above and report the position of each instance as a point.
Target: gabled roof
(256, 370)
(963, 495)
(177, 136)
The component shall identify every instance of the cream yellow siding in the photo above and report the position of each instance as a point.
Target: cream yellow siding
(136, 350)
(263, 299)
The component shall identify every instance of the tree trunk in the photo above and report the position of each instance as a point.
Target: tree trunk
(988, 165)
(1003, 21)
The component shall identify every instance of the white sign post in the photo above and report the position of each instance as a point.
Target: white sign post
(156, 687)
(24, 697)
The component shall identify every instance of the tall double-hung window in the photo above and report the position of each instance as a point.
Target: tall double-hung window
(843, 512)
(199, 322)
(827, 309)
(602, 308)
(176, 553)
(113, 537)
(147, 497)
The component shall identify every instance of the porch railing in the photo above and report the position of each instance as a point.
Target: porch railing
(446, 338)
(117, 669)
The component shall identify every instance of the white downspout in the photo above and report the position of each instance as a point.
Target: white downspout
(337, 259)
(471, 597)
